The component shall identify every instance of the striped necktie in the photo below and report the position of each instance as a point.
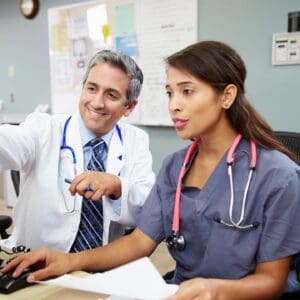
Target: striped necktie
(90, 230)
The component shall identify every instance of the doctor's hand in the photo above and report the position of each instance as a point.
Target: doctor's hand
(101, 183)
(46, 262)
(196, 289)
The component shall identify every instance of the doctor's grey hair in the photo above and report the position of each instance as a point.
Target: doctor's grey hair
(124, 63)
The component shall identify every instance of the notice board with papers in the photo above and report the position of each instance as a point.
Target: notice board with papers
(148, 31)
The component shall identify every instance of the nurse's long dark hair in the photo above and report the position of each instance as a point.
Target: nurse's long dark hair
(219, 65)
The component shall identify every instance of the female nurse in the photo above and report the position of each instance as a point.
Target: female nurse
(234, 226)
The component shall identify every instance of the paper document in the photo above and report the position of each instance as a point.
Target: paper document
(136, 280)
(118, 298)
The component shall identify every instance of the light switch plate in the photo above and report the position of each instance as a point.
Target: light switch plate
(286, 48)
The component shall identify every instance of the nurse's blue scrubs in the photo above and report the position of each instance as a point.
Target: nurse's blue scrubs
(214, 250)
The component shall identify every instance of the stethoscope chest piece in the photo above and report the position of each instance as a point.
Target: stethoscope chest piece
(176, 241)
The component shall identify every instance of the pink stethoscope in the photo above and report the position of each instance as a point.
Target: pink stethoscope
(176, 240)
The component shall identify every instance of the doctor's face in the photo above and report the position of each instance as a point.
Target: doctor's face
(194, 106)
(104, 97)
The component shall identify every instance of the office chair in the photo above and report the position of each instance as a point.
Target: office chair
(292, 141)
(15, 177)
(6, 221)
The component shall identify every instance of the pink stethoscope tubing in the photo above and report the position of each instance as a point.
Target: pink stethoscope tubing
(230, 160)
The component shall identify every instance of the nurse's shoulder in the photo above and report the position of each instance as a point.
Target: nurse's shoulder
(278, 164)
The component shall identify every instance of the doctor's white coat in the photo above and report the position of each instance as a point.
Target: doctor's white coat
(46, 215)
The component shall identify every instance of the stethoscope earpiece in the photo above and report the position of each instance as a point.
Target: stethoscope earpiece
(253, 225)
(217, 219)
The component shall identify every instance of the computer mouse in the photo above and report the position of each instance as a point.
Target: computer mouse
(8, 284)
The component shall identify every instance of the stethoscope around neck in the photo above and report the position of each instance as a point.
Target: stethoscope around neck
(176, 239)
(64, 146)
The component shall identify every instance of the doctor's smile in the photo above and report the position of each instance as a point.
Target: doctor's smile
(96, 114)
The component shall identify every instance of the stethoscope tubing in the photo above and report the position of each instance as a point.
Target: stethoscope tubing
(64, 146)
(176, 212)
(229, 160)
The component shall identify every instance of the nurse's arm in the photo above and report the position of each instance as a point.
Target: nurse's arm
(52, 263)
(266, 283)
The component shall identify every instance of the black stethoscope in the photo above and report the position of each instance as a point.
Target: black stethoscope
(64, 146)
(176, 240)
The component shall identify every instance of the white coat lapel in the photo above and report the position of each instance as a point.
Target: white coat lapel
(115, 157)
(74, 141)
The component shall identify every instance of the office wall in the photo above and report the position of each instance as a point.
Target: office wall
(246, 25)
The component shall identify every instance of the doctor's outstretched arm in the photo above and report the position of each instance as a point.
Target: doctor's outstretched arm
(53, 263)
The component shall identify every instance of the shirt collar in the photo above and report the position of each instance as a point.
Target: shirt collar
(87, 135)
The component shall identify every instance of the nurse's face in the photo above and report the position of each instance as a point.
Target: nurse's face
(104, 97)
(194, 106)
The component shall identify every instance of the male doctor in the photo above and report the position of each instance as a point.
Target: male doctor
(53, 151)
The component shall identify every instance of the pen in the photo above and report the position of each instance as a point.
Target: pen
(88, 189)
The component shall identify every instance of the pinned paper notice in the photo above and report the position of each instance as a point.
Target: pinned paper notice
(136, 280)
(105, 32)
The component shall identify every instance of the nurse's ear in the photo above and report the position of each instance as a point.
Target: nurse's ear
(229, 95)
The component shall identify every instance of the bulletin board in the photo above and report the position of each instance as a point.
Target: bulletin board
(148, 31)
(75, 33)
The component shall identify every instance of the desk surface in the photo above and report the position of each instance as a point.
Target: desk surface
(49, 292)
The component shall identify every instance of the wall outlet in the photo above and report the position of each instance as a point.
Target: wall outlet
(11, 71)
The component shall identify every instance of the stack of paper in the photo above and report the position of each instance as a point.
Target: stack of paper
(136, 280)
